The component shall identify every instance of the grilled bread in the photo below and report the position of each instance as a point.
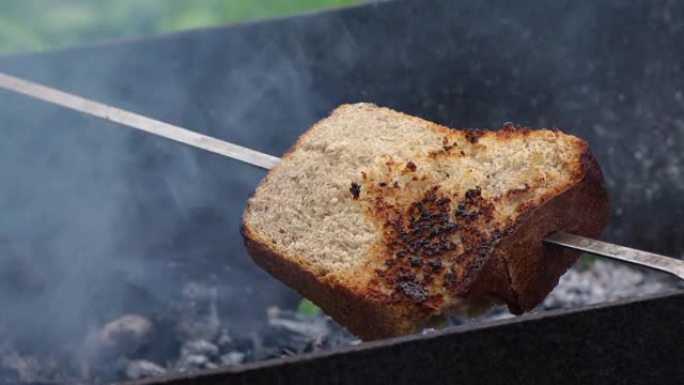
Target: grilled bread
(388, 222)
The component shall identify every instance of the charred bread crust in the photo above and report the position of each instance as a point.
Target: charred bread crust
(534, 267)
(358, 312)
(522, 269)
(514, 267)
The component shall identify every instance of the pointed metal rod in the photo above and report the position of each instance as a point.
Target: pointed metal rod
(204, 142)
(621, 253)
(137, 121)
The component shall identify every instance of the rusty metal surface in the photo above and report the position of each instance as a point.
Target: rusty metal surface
(623, 343)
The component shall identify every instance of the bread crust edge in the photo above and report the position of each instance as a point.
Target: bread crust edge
(522, 283)
(522, 270)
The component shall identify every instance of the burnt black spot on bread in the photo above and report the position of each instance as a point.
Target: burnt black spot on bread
(473, 135)
(423, 229)
(410, 166)
(426, 239)
(473, 193)
(513, 129)
(413, 290)
(405, 276)
(355, 189)
(463, 212)
(362, 306)
(449, 280)
(445, 151)
(474, 206)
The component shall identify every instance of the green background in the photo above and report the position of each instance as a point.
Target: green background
(29, 25)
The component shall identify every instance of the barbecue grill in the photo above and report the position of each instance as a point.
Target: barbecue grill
(138, 215)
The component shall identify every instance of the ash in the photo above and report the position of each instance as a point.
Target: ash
(193, 336)
(606, 281)
(601, 281)
(189, 336)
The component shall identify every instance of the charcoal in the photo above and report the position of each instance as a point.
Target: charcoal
(199, 347)
(310, 327)
(224, 340)
(289, 333)
(198, 312)
(242, 344)
(267, 353)
(315, 344)
(232, 358)
(142, 368)
(121, 337)
(192, 361)
(193, 336)
(338, 336)
(24, 368)
(603, 281)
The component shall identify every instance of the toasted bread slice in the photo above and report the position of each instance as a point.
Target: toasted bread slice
(387, 221)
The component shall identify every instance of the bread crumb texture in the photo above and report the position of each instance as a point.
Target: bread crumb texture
(401, 210)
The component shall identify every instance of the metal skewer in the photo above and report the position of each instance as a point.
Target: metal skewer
(137, 121)
(621, 253)
(244, 154)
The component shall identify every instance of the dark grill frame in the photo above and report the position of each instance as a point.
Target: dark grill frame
(626, 342)
(608, 71)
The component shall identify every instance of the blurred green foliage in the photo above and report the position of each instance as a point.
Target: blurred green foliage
(586, 261)
(307, 307)
(27, 25)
